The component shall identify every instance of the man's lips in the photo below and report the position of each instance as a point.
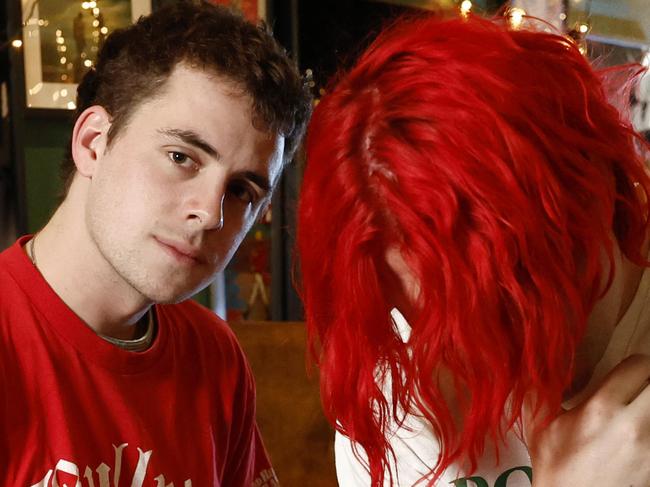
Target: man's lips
(182, 251)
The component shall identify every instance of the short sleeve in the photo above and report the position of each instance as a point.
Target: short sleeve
(416, 449)
(349, 469)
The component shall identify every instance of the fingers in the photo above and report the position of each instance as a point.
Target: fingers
(626, 381)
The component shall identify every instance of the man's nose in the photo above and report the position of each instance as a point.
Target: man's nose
(207, 213)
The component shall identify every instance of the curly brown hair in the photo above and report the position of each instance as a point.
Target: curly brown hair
(135, 62)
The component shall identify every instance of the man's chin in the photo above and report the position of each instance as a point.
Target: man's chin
(173, 296)
(176, 298)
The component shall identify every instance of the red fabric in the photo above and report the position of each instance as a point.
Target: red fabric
(75, 409)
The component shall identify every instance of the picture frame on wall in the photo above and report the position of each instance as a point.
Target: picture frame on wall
(61, 39)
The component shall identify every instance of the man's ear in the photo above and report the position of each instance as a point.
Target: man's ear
(89, 139)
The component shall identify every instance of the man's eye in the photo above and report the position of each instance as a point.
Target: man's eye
(243, 192)
(178, 157)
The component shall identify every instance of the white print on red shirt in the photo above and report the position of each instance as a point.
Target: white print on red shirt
(266, 478)
(102, 473)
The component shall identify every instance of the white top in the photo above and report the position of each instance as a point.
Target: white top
(417, 448)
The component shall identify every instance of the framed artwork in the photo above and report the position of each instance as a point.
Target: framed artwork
(253, 10)
(61, 39)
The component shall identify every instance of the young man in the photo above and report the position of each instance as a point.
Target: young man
(182, 131)
(475, 183)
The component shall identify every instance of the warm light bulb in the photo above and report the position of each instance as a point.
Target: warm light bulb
(584, 28)
(516, 16)
(17, 43)
(465, 7)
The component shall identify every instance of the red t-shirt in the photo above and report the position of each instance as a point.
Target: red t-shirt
(77, 410)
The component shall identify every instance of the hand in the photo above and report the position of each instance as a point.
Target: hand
(605, 441)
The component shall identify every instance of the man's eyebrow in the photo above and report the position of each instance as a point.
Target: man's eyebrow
(260, 180)
(192, 138)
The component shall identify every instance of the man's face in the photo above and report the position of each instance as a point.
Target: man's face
(175, 193)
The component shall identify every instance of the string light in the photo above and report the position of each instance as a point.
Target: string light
(465, 7)
(516, 17)
(579, 35)
(17, 43)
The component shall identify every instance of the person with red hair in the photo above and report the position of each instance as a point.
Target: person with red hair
(472, 235)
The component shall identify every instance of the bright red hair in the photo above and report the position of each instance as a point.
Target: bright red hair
(492, 159)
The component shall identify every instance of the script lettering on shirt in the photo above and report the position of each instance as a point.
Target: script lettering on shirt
(101, 476)
(501, 481)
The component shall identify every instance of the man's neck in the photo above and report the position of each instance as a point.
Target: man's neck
(77, 272)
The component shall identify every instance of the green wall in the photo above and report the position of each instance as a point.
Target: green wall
(44, 143)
